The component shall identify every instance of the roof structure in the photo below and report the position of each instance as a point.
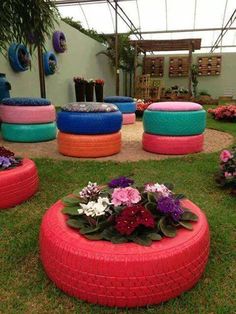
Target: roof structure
(212, 21)
(167, 45)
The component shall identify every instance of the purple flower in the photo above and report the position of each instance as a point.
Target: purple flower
(170, 206)
(121, 182)
(5, 162)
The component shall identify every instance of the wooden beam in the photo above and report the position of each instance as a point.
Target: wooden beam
(41, 72)
(117, 53)
(135, 68)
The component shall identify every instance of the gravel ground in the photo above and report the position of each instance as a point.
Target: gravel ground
(131, 146)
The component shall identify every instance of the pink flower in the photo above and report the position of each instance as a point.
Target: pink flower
(125, 196)
(225, 155)
(227, 174)
(157, 188)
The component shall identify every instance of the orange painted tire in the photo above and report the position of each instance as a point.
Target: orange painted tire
(173, 145)
(89, 145)
(122, 275)
(128, 118)
(28, 114)
(18, 184)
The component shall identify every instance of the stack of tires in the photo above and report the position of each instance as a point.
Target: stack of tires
(126, 105)
(28, 120)
(89, 130)
(174, 128)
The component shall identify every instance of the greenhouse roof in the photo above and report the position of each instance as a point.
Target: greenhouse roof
(212, 21)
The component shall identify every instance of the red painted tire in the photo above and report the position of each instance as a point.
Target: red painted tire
(90, 146)
(123, 275)
(173, 145)
(27, 114)
(128, 118)
(18, 184)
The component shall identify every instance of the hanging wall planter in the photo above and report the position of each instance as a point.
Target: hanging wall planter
(19, 57)
(49, 63)
(59, 41)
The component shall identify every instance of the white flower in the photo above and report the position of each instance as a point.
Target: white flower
(95, 209)
(158, 188)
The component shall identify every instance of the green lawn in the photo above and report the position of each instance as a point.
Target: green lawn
(24, 287)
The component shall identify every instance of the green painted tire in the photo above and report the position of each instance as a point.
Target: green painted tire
(174, 122)
(29, 133)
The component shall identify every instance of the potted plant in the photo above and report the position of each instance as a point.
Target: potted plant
(79, 88)
(226, 177)
(89, 89)
(99, 90)
(205, 97)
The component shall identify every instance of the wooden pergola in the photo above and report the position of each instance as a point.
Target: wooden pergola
(166, 45)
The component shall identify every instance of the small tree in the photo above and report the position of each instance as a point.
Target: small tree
(194, 74)
(28, 22)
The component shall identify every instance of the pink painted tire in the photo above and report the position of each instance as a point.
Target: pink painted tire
(173, 145)
(122, 275)
(128, 118)
(27, 114)
(18, 184)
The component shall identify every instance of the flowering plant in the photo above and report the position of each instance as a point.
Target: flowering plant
(120, 212)
(99, 82)
(8, 159)
(90, 81)
(52, 65)
(227, 173)
(224, 112)
(79, 80)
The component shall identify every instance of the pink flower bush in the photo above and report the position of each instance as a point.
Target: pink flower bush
(224, 112)
(125, 196)
(160, 189)
(225, 155)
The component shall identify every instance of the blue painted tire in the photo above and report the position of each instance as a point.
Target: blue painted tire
(126, 107)
(25, 101)
(89, 123)
(115, 99)
(174, 123)
(47, 56)
(29, 133)
(13, 55)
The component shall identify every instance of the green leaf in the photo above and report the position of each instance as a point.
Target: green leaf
(74, 223)
(154, 236)
(169, 186)
(179, 196)
(118, 240)
(95, 236)
(70, 201)
(186, 225)
(151, 198)
(145, 241)
(73, 211)
(88, 230)
(187, 215)
(76, 192)
(168, 230)
(152, 207)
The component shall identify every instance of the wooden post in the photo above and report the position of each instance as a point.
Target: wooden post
(135, 69)
(190, 55)
(41, 73)
(117, 53)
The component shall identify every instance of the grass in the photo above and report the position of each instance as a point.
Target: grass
(24, 287)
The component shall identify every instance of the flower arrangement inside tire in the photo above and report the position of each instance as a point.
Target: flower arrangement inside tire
(8, 159)
(19, 57)
(59, 41)
(50, 63)
(119, 212)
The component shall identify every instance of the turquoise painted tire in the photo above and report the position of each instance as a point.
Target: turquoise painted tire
(29, 133)
(174, 123)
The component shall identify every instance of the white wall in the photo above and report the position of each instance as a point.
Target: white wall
(79, 60)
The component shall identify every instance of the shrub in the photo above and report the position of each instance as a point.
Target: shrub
(226, 177)
(224, 112)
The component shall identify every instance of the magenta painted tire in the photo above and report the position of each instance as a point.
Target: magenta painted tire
(128, 118)
(27, 114)
(173, 145)
(122, 275)
(18, 184)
